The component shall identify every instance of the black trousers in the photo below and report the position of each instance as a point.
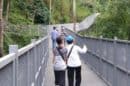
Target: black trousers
(59, 77)
(74, 72)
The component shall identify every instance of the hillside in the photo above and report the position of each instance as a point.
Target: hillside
(21, 18)
(19, 13)
(112, 22)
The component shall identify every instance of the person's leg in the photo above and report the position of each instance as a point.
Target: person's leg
(78, 76)
(56, 73)
(62, 78)
(70, 76)
(53, 44)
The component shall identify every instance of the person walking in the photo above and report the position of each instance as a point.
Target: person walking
(74, 62)
(54, 35)
(59, 61)
(63, 34)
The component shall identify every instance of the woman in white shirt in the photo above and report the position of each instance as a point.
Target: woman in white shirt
(74, 62)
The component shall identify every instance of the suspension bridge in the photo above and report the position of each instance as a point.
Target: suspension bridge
(107, 62)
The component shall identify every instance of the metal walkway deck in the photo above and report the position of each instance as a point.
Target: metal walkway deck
(89, 78)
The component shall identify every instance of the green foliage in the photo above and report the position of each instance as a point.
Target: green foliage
(4, 7)
(41, 16)
(26, 12)
(114, 19)
(22, 13)
(21, 40)
(16, 18)
(41, 12)
(22, 34)
(18, 12)
(83, 10)
(62, 11)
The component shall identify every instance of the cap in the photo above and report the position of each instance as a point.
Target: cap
(69, 38)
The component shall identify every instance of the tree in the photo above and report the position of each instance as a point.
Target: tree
(114, 19)
(1, 28)
(7, 10)
(41, 12)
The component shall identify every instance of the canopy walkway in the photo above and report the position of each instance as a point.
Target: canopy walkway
(89, 78)
(107, 63)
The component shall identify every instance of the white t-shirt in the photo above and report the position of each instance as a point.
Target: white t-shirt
(74, 58)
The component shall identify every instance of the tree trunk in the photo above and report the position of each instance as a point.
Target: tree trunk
(1, 28)
(7, 10)
(74, 15)
(71, 10)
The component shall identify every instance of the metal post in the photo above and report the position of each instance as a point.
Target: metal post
(42, 65)
(101, 56)
(14, 49)
(115, 82)
(33, 40)
(127, 63)
(28, 69)
(35, 63)
(34, 60)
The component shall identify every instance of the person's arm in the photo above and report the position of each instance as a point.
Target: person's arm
(53, 59)
(65, 59)
(82, 50)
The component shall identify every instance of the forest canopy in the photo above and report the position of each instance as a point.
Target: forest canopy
(113, 21)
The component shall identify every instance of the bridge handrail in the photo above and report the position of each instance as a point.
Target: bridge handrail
(26, 66)
(10, 57)
(104, 39)
(109, 58)
(28, 47)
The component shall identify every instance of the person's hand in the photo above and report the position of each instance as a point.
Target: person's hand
(84, 46)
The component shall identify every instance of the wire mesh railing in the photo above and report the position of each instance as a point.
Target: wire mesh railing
(25, 67)
(109, 58)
